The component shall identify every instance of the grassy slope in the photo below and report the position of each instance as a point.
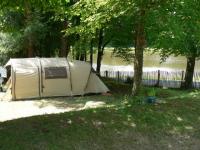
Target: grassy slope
(125, 123)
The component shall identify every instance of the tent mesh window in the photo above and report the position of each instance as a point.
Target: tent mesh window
(55, 72)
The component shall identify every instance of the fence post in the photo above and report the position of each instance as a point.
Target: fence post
(106, 72)
(158, 80)
(118, 76)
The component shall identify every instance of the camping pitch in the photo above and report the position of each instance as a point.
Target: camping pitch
(47, 77)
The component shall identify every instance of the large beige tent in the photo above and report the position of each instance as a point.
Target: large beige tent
(46, 77)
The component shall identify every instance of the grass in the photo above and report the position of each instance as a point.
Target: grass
(125, 122)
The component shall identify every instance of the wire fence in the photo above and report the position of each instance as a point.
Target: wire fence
(170, 79)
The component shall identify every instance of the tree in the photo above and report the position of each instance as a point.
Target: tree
(182, 28)
(38, 27)
(148, 14)
(93, 25)
(140, 11)
(98, 15)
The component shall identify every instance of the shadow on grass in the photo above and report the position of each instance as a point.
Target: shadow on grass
(124, 122)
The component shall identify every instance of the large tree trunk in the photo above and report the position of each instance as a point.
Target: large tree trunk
(85, 54)
(91, 52)
(82, 57)
(100, 52)
(65, 46)
(138, 59)
(187, 84)
(77, 56)
(99, 59)
(63, 52)
(30, 47)
(27, 13)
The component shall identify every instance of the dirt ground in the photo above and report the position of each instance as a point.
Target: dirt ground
(10, 110)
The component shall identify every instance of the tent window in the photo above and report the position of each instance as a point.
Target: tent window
(55, 72)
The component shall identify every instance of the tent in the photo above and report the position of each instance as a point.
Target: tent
(3, 74)
(47, 77)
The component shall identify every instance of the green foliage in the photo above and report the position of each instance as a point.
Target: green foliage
(126, 54)
(18, 29)
(30, 20)
(180, 30)
(11, 20)
(36, 29)
(151, 92)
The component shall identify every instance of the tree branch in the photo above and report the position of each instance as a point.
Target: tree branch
(106, 43)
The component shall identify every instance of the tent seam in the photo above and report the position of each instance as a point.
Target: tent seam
(39, 77)
(14, 83)
(41, 74)
(70, 76)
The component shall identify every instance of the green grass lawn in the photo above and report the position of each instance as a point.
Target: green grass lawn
(124, 123)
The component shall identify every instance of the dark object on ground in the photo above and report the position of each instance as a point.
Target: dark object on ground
(151, 99)
(129, 80)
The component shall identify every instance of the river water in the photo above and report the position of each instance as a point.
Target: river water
(151, 63)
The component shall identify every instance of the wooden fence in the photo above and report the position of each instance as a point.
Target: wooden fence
(171, 79)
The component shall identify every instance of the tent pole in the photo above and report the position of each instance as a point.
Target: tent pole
(88, 79)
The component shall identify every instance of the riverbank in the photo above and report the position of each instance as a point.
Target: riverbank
(151, 62)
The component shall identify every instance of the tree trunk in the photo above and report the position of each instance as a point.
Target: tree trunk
(30, 47)
(65, 46)
(63, 52)
(187, 84)
(73, 53)
(85, 54)
(77, 56)
(138, 59)
(91, 52)
(99, 59)
(82, 57)
(27, 12)
(100, 52)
